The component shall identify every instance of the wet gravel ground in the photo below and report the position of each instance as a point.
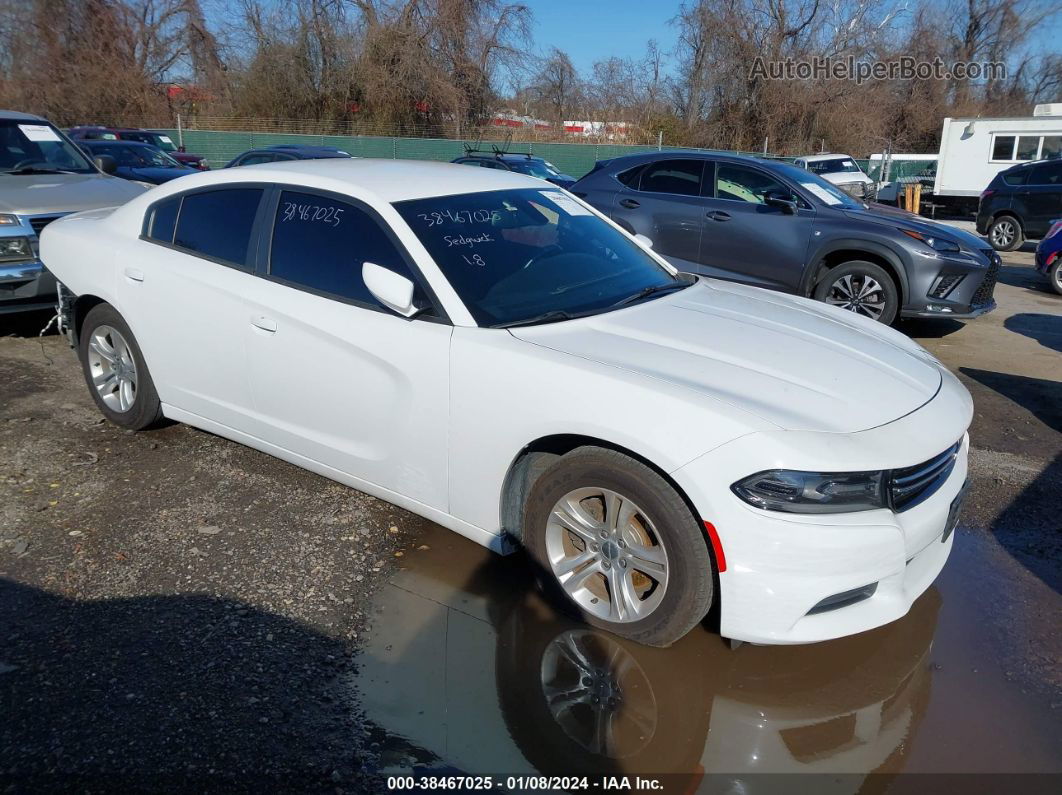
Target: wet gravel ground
(181, 612)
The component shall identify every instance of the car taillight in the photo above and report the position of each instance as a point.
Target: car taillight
(1055, 229)
(986, 193)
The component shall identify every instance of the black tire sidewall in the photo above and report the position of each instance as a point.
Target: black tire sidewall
(1019, 234)
(863, 267)
(690, 588)
(1053, 276)
(146, 410)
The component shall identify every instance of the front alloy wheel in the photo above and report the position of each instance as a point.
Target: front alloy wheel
(112, 368)
(859, 293)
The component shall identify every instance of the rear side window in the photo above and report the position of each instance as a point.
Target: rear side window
(1003, 147)
(218, 223)
(1016, 177)
(163, 220)
(682, 177)
(321, 243)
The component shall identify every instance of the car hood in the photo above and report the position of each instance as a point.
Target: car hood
(846, 177)
(790, 361)
(902, 219)
(161, 174)
(33, 194)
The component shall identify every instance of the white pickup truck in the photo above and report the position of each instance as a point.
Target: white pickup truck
(841, 170)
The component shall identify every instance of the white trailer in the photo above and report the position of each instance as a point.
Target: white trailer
(973, 151)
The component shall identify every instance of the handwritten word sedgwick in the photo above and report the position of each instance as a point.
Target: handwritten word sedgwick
(462, 240)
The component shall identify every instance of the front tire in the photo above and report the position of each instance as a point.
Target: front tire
(1005, 233)
(1055, 276)
(115, 370)
(861, 287)
(615, 543)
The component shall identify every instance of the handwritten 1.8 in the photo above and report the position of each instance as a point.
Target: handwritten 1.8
(312, 212)
(460, 216)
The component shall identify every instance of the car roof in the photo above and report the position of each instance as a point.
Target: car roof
(14, 115)
(826, 156)
(630, 161)
(385, 180)
(500, 156)
(119, 142)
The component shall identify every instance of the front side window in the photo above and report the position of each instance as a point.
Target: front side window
(682, 177)
(1003, 147)
(218, 223)
(35, 147)
(739, 183)
(515, 255)
(322, 243)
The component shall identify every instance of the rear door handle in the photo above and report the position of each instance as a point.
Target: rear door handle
(134, 275)
(719, 215)
(630, 204)
(264, 323)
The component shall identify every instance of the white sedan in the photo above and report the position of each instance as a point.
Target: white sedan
(487, 351)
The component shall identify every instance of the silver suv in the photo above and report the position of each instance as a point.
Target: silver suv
(43, 176)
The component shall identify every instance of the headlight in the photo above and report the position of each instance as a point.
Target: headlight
(15, 248)
(9, 220)
(936, 243)
(813, 492)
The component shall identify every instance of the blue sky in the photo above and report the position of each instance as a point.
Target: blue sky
(591, 30)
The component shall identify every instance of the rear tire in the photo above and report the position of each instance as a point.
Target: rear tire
(861, 287)
(612, 541)
(115, 370)
(1005, 233)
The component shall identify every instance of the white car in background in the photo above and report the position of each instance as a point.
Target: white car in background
(486, 351)
(842, 170)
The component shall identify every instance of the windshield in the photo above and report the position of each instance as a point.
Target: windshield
(163, 142)
(840, 165)
(534, 168)
(135, 156)
(826, 192)
(33, 147)
(513, 255)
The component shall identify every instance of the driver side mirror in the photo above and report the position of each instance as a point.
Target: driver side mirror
(643, 241)
(105, 163)
(785, 202)
(390, 289)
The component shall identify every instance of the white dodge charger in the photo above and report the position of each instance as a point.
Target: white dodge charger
(487, 351)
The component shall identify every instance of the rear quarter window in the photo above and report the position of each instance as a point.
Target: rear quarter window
(1015, 177)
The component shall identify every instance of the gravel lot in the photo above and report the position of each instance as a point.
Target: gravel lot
(179, 610)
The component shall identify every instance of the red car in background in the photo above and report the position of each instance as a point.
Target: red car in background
(158, 139)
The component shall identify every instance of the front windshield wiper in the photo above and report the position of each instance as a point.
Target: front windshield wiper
(37, 170)
(653, 289)
(553, 316)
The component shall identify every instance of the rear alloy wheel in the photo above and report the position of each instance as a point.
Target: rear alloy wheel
(860, 287)
(612, 540)
(115, 371)
(1005, 234)
(1056, 275)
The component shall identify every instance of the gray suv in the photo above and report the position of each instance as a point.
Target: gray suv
(43, 176)
(771, 224)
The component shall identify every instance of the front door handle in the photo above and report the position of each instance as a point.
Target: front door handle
(264, 323)
(719, 215)
(134, 275)
(630, 204)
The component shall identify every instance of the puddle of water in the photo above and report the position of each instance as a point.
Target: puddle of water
(468, 669)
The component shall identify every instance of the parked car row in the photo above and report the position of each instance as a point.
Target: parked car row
(155, 138)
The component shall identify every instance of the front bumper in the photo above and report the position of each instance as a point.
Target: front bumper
(781, 566)
(958, 287)
(26, 287)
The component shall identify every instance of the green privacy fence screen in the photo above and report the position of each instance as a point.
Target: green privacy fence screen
(575, 159)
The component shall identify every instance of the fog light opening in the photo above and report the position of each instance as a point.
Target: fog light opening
(844, 599)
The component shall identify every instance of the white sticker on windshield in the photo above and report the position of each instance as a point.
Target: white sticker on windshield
(848, 164)
(821, 192)
(38, 132)
(165, 139)
(566, 203)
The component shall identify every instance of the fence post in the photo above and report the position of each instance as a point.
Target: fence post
(394, 148)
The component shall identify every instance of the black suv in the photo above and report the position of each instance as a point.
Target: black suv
(1020, 204)
(771, 224)
(520, 163)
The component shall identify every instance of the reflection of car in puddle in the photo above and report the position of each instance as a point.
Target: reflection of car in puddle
(570, 700)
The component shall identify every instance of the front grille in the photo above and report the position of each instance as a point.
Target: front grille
(911, 485)
(40, 221)
(983, 294)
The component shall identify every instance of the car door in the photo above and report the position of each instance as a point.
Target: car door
(181, 291)
(337, 378)
(1042, 198)
(747, 240)
(665, 205)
